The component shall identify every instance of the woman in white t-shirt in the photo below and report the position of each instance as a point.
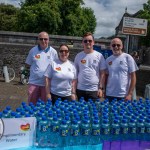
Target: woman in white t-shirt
(61, 77)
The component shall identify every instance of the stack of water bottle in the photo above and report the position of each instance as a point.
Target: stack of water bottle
(69, 123)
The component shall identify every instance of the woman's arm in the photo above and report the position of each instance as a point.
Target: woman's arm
(73, 90)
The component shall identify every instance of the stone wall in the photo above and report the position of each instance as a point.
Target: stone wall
(14, 46)
(14, 56)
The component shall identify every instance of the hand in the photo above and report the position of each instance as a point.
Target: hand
(48, 96)
(128, 97)
(73, 96)
(100, 93)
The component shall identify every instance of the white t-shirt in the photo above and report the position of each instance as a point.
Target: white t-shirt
(61, 74)
(88, 70)
(119, 69)
(39, 60)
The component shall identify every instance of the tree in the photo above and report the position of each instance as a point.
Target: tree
(63, 17)
(41, 16)
(145, 14)
(8, 17)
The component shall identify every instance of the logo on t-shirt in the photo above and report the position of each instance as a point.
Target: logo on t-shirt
(58, 69)
(69, 69)
(48, 57)
(83, 61)
(110, 63)
(37, 56)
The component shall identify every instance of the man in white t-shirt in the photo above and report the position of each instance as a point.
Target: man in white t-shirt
(121, 70)
(91, 67)
(38, 59)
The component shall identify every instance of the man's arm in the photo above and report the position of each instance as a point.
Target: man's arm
(47, 87)
(101, 83)
(132, 86)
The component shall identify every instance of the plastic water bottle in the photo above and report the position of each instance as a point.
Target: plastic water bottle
(8, 108)
(147, 130)
(18, 110)
(95, 138)
(22, 113)
(49, 119)
(85, 132)
(124, 129)
(54, 133)
(39, 118)
(75, 138)
(105, 130)
(115, 130)
(1, 115)
(6, 113)
(64, 134)
(13, 114)
(132, 130)
(140, 129)
(42, 132)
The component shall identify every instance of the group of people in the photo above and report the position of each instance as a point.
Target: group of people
(90, 76)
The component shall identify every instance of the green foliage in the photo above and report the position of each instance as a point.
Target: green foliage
(145, 14)
(39, 17)
(62, 17)
(8, 17)
(76, 20)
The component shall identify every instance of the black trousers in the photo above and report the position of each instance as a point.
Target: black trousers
(55, 97)
(87, 95)
(110, 98)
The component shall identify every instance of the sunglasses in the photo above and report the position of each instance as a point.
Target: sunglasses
(65, 51)
(114, 45)
(87, 41)
(41, 39)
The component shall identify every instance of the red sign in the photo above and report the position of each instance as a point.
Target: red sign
(135, 31)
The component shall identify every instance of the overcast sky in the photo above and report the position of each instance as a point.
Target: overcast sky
(107, 12)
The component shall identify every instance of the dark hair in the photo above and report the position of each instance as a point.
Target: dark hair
(63, 45)
(87, 34)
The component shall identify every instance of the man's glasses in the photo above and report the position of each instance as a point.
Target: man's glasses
(41, 39)
(87, 41)
(114, 45)
(65, 51)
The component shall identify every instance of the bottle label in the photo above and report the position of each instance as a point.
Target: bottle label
(75, 132)
(43, 128)
(55, 128)
(115, 131)
(147, 130)
(95, 132)
(105, 131)
(132, 130)
(141, 129)
(124, 130)
(85, 132)
(63, 132)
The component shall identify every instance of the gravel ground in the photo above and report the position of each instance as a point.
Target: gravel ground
(12, 93)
